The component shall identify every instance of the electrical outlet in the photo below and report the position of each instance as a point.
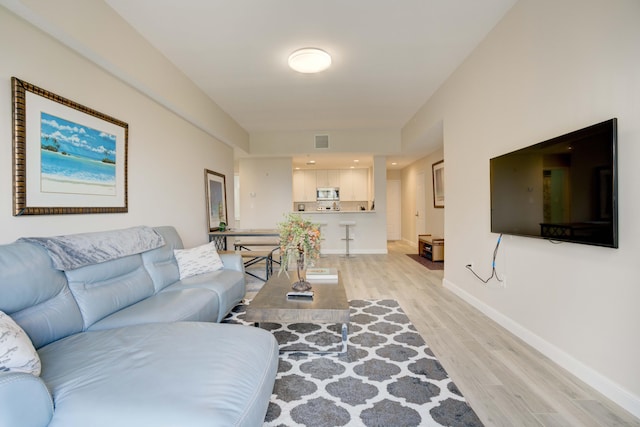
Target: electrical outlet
(503, 284)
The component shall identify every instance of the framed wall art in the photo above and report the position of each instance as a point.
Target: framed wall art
(67, 158)
(438, 184)
(216, 196)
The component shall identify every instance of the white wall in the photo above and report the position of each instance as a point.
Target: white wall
(266, 191)
(433, 217)
(266, 188)
(548, 68)
(167, 154)
(97, 32)
(378, 232)
(340, 141)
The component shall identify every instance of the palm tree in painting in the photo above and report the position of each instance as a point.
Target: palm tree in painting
(106, 158)
(54, 146)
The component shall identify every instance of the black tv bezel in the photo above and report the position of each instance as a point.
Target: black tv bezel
(580, 133)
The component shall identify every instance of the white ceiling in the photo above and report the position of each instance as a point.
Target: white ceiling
(389, 56)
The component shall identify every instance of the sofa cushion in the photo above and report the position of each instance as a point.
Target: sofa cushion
(102, 289)
(36, 295)
(29, 268)
(199, 305)
(16, 351)
(199, 260)
(51, 320)
(161, 263)
(228, 285)
(163, 267)
(192, 374)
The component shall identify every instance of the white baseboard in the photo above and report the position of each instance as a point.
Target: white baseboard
(411, 242)
(604, 385)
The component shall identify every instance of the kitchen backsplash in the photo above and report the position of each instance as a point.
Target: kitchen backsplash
(342, 206)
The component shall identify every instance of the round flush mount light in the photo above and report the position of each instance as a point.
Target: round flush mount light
(309, 60)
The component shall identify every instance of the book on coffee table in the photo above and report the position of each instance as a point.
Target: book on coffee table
(322, 274)
(301, 296)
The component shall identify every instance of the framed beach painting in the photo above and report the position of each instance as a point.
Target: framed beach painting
(67, 158)
(216, 196)
(438, 184)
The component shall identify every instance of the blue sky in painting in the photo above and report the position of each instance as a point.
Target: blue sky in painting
(75, 139)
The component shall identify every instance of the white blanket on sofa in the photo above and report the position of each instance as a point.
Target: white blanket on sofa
(77, 250)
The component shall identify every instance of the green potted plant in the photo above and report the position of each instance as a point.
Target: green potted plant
(299, 241)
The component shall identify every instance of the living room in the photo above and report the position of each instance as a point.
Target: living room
(547, 68)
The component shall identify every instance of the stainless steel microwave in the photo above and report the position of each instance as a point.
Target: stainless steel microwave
(328, 194)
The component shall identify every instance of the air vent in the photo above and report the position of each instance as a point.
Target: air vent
(322, 141)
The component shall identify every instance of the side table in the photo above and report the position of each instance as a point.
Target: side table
(431, 247)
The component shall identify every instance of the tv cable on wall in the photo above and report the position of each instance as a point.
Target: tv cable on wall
(493, 266)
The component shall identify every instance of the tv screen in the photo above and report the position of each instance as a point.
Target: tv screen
(563, 189)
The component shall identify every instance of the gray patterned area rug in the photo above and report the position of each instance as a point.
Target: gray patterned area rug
(388, 377)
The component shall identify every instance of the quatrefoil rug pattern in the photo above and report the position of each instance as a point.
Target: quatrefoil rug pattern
(388, 377)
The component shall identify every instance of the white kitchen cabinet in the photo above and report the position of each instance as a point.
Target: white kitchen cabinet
(333, 176)
(328, 178)
(304, 186)
(360, 179)
(354, 185)
(310, 184)
(346, 185)
(298, 186)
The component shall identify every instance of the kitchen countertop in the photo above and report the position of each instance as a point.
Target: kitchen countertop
(368, 233)
(331, 211)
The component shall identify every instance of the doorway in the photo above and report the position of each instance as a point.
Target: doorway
(394, 209)
(420, 198)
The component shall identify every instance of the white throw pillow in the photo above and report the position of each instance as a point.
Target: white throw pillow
(198, 260)
(16, 350)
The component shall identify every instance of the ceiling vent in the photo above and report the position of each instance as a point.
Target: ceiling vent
(322, 141)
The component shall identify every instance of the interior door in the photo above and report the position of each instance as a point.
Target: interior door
(421, 219)
(394, 210)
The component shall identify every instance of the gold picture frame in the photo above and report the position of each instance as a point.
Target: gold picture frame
(67, 158)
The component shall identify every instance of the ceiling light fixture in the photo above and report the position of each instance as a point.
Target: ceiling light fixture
(309, 60)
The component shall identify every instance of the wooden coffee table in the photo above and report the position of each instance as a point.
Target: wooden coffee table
(329, 304)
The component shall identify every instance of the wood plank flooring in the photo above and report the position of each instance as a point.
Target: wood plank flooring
(507, 382)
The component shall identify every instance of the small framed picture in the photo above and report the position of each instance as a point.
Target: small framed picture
(216, 196)
(438, 184)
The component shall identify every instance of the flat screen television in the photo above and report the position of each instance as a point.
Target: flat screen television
(564, 189)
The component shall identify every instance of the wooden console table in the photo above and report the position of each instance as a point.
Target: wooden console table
(431, 247)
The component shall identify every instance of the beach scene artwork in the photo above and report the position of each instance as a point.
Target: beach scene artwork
(76, 159)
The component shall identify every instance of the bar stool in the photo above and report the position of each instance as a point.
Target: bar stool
(320, 225)
(347, 238)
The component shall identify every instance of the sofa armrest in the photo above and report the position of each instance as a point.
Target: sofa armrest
(232, 261)
(24, 400)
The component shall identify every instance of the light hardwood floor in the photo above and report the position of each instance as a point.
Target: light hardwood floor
(507, 382)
